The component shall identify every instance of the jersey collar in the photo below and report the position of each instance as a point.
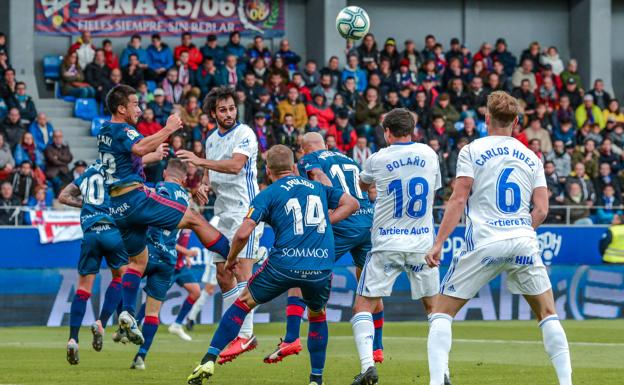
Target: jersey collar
(402, 144)
(228, 131)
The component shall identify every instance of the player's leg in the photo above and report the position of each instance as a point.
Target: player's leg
(150, 327)
(77, 312)
(186, 279)
(112, 298)
(242, 273)
(210, 237)
(318, 337)
(131, 282)
(290, 344)
(554, 337)
(209, 279)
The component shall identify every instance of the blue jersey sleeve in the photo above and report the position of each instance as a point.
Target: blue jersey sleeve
(333, 196)
(129, 137)
(259, 207)
(308, 163)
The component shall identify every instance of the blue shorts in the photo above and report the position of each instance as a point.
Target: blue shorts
(159, 276)
(355, 240)
(184, 276)
(270, 282)
(101, 240)
(136, 210)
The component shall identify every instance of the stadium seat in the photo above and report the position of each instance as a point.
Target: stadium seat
(151, 85)
(52, 67)
(58, 95)
(85, 109)
(96, 124)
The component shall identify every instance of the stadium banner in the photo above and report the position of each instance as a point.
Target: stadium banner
(56, 226)
(43, 297)
(561, 245)
(114, 18)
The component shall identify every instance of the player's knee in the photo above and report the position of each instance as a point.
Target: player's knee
(118, 273)
(314, 314)
(247, 299)
(194, 291)
(225, 278)
(294, 292)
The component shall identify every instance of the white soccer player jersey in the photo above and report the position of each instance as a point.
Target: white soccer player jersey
(505, 173)
(234, 192)
(406, 176)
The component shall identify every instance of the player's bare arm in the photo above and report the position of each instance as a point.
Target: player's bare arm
(71, 196)
(452, 215)
(540, 206)
(188, 254)
(346, 206)
(226, 166)
(239, 241)
(151, 143)
(319, 176)
(154, 157)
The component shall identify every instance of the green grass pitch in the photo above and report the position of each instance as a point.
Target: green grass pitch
(493, 353)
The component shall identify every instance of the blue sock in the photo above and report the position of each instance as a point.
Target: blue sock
(294, 314)
(220, 246)
(318, 336)
(141, 314)
(378, 321)
(77, 312)
(228, 329)
(111, 300)
(185, 309)
(131, 282)
(150, 327)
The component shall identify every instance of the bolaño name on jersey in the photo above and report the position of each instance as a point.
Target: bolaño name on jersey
(408, 161)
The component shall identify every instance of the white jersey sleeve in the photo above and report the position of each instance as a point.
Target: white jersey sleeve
(406, 177)
(234, 192)
(505, 173)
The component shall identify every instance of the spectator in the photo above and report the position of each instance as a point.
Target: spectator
(84, 48)
(172, 88)
(361, 151)
(333, 71)
(368, 113)
(79, 168)
(601, 97)
(38, 200)
(115, 80)
(213, 50)
(610, 207)
(10, 214)
(205, 78)
(58, 157)
(198, 149)
(7, 163)
(4, 63)
(190, 114)
(608, 156)
(469, 132)
(605, 177)
(287, 133)
(428, 71)
(23, 182)
(547, 94)
(97, 73)
(134, 48)
(204, 129)
(265, 105)
(536, 146)
(276, 87)
(551, 57)
(444, 108)
(9, 85)
(23, 102)
(442, 159)
(41, 131)
(259, 68)
(427, 51)
(346, 135)
(12, 128)
(455, 52)
(264, 133)
(391, 54)
(325, 86)
(132, 73)
(613, 111)
(571, 73)
(234, 47)
(543, 114)
(160, 57)
(553, 183)
(323, 112)
(438, 133)
(148, 125)
(258, 51)
(244, 107)
(579, 214)
(485, 57)
(403, 77)
(501, 54)
(588, 155)
(73, 80)
(278, 67)
(578, 176)
(560, 158)
(459, 97)
(185, 74)
(332, 144)
(313, 126)
(477, 97)
(532, 53)
(421, 108)
(249, 86)
(367, 51)
(112, 60)
(143, 94)
(392, 101)
(524, 93)
(230, 74)
(589, 112)
(310, 74)
(572, 91)
(565, 112)
(352, 70)
(291, 59)
(617, 137)
(292, 106)
(524, 72)
(177, 143)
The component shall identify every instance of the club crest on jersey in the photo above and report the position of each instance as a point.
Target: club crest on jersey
(132, 134)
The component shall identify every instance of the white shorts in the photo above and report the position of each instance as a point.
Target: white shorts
(382, 268)
(228, 224)
(210, 274)
(519, 257)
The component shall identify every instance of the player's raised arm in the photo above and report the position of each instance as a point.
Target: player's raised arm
(71, 196)
(452, 214)
(226, 166)
(150, 144)
(154, 157)
(239, 241)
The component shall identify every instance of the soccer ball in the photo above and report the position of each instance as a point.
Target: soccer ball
(352, 23)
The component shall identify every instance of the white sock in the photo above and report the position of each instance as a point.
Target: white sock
(197, 306)
(228, 299)
(246, 330)
(363, 332)
(439, 346)
(556, 346)
(447, 372)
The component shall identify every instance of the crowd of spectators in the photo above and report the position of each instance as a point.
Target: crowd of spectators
(576, 129)
(34, 160)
